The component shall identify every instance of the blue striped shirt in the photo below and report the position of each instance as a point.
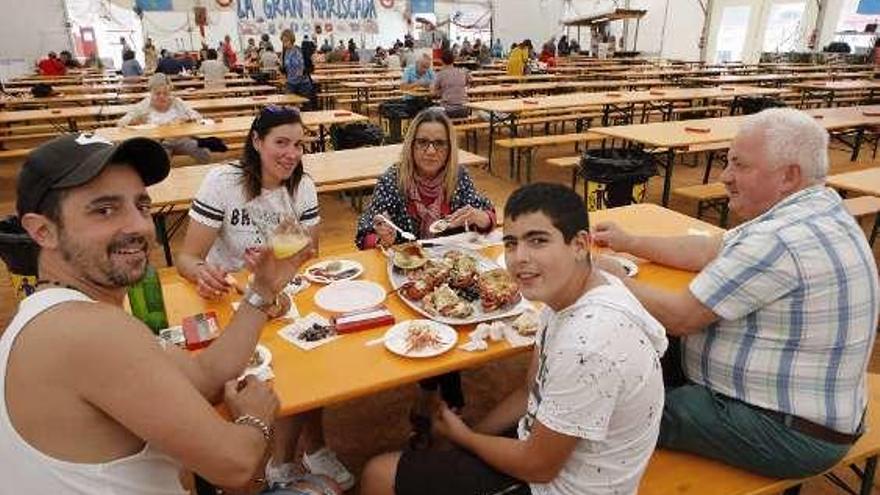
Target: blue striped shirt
(796, 291)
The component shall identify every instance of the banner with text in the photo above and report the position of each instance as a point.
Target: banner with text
(307, 17)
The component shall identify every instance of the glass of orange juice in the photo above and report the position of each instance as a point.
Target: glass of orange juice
(276, 221)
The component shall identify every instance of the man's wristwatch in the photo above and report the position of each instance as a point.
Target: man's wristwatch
(268, 306)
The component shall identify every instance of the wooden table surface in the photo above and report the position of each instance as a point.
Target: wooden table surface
(675, 134)
(625, 97)
(837, 85)
(25, 98)
(222, 126)
(346, 368)
(329, 167)
(757, 78)
(320, 78)
(861, 181)
(74, 113)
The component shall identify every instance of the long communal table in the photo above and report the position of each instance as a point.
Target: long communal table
(111, 98)
(71, 115)
(848, 123)
(306, 380)
(613, 104)
(827, 90)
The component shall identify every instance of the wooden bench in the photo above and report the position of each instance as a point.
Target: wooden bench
(679, 473)
(714, 196)
(526, 147)
(704, 111)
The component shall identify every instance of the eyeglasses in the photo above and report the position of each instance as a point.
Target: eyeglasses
(438, 145)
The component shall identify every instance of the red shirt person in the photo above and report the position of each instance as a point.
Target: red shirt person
(52, 66)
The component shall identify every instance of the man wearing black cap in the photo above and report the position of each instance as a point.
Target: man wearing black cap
(89, 401)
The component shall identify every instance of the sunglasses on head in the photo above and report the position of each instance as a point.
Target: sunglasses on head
(280, 110)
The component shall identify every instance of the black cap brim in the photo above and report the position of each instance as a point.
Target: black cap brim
(147, 156)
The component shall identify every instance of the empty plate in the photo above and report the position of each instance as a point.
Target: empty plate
(349, 295)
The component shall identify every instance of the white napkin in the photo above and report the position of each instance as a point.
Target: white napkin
(297, 285)
(291, 332)
(263, 373)
(495, 331)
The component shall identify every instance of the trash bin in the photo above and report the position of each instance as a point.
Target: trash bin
(20, 254)
(615, 177)
(356, 135)
(748, 105)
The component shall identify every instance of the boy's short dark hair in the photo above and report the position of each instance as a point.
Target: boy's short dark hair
(212, 54)
(561, 204)
(447, 57)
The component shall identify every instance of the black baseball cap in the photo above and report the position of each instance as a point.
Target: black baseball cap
(74, 159)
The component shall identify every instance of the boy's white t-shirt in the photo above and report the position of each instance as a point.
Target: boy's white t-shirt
(599, 379)
(220, 204)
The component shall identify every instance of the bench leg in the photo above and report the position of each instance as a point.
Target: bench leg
(795, 490)
(868, 476)
(874, 229)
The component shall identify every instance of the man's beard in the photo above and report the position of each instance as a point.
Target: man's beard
(100, 269)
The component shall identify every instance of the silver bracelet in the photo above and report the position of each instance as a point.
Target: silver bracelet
(250, 420)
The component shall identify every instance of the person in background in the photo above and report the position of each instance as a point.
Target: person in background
(563, 49)
(518, 60)
(419, 75)
(168, 65)
(161, 108)
(150, 57)
(130, 66)
(298, 81)
(124, 46)
(326, 47)
(547, 55)
(308, 48)
(498, 49)
(779, 324)
(230, 59)
(269, 62)
(52, 66)
(353, 55)
(427, 184)
(68, 60)
(465, 48)
(408, 57)
(251, 53)
(213, 71)
(392, 61)
(188, 63)
(218, 242)
(450, 86)
(265, 44)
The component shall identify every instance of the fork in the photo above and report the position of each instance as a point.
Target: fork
(406, 235)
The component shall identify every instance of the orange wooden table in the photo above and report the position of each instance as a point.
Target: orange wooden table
(346, 368)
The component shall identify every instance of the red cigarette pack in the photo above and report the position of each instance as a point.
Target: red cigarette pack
(200, 330)
(363, 319)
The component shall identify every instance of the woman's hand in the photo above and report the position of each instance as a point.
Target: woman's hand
(210, 281)
(384, 232)
(468, 216)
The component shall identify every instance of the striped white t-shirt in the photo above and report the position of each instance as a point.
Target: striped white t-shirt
(220, 204)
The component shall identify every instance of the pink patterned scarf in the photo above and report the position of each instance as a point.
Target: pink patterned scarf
(427, 196)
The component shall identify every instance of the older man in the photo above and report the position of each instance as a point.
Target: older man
(420, 75)
(89, 400)
(779, 323)
(162, 108)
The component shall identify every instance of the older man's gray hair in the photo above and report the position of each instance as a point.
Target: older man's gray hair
(158, 81)
(792, 137)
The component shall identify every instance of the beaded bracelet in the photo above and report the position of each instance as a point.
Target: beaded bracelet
(250, 420)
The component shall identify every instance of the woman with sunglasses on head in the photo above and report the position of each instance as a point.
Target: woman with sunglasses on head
(220, 232)
(425, 186)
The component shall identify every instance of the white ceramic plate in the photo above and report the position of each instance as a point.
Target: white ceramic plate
(349, 295)
(395, 339)
(632, 269)
(345, 265)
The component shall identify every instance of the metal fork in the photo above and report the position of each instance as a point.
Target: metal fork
(406, 235)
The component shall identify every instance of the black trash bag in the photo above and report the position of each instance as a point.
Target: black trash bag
(615, 177)
(356, 135)
(261, 77)
(20, 253)
(306, 89)
(403, 108)
(41, 90)
(747, 105)
(213, 144)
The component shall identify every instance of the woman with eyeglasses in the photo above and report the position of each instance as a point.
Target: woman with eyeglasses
(218, 239)
(426, 185)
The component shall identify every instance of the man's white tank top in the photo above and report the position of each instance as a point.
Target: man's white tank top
(24, 469)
